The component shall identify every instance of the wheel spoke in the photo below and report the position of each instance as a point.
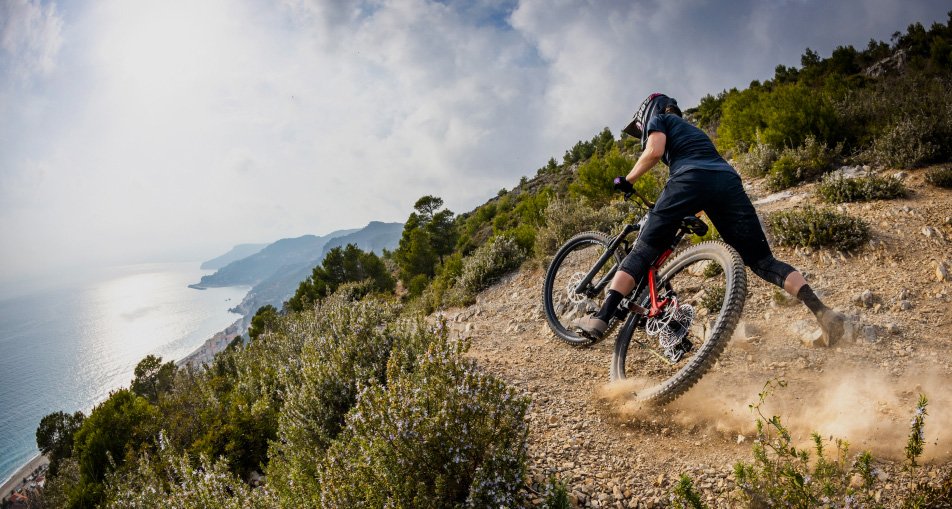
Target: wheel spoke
(569, 267)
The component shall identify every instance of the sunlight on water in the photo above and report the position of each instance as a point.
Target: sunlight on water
(68, 348)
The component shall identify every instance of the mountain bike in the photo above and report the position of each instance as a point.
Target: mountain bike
(675, 323)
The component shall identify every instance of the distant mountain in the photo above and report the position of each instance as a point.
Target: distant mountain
(236, 253)
(254, 269)
(283, 281)
(375, 237)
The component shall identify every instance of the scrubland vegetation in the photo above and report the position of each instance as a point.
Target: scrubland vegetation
(348, 397)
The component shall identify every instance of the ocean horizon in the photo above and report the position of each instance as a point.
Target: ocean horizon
(66, 347)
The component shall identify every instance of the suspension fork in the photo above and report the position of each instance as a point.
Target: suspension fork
(612, 246)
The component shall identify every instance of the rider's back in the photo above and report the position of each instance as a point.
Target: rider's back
(686, 147)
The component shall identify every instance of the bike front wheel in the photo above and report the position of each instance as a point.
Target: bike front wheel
(569, 267)
(709, 282)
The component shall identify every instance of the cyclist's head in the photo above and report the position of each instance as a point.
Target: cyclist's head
(655, 104)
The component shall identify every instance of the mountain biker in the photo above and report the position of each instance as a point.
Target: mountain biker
(699, 179)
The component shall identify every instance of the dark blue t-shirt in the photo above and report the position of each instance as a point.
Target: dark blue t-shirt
(687, 147)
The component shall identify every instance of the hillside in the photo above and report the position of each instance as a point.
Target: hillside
(363, 397)
(610, 454)
(373, 238)
(277, 288)
(276, 256)
(234, 254)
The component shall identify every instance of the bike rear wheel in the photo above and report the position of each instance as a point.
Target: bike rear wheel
(710, 278)
(569, 266)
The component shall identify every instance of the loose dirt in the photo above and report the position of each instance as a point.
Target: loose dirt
(612, 453)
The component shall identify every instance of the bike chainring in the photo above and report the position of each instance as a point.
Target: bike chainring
(671, 327)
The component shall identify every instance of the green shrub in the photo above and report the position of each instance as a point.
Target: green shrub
(803, 163)
(556, 495)
(900, 121)
(114, 431)
(783, 115)
(783, 173)
(905, 144)
(443, 434)
(438, 294)
(565, 218)
(168, 479)
(714, 297)
(916, 434)
(940, 177)
(350, 345)
(493, 259)
(594, 180)
(712, 269)
(685, 496)
(812, 227)
(417, 284)
(758, 160)
(835, 188)
(524, 235)
(782, 475)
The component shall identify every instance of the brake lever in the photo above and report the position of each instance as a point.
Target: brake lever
(644, 200)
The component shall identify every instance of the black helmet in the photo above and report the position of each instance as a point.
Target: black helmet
(655, 104)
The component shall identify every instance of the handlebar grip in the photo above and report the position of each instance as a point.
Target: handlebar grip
(621, 184)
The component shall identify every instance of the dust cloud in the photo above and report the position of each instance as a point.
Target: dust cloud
(869, 409)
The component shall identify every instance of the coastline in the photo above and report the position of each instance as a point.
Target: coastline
(16, 480)
(205, 353)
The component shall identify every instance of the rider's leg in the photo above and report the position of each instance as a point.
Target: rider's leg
(832, 323)
(677, 200)
(737, 221)
(633, 268)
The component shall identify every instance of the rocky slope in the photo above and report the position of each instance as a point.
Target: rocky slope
(611, 453)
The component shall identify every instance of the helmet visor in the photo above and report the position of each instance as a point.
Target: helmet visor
(637, 125)
(633, 129)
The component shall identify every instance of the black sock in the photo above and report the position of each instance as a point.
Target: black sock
(809, 298)
(610, 305)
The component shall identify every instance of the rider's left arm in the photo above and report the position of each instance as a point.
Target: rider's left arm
(654, 149)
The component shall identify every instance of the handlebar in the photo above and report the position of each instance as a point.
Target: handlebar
(648, 203)
(624, 186)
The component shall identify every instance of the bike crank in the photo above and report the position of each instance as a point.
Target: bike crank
(671, 329)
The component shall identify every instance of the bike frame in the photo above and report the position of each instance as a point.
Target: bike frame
(656, 306)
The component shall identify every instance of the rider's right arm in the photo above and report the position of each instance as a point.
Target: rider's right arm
(654, 149)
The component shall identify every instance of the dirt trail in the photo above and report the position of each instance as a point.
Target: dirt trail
(611, 453)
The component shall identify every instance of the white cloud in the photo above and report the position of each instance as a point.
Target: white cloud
(178, 128)
(30, 37)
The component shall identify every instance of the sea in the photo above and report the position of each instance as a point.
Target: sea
(66, 346)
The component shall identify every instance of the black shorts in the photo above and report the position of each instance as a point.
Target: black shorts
(720, 194)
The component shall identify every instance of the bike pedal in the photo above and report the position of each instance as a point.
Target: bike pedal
(686, 345)
(682, 349)
(676, 355)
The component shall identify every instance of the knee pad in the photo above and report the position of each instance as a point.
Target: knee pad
(638, 260)
(772, 270)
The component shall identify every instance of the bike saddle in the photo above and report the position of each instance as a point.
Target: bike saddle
(694, 224)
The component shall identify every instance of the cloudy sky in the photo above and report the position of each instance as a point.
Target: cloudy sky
(170, 130)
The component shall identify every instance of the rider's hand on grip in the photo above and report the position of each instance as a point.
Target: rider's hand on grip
(621, 184)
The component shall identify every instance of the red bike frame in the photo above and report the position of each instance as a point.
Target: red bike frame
(656, 306)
